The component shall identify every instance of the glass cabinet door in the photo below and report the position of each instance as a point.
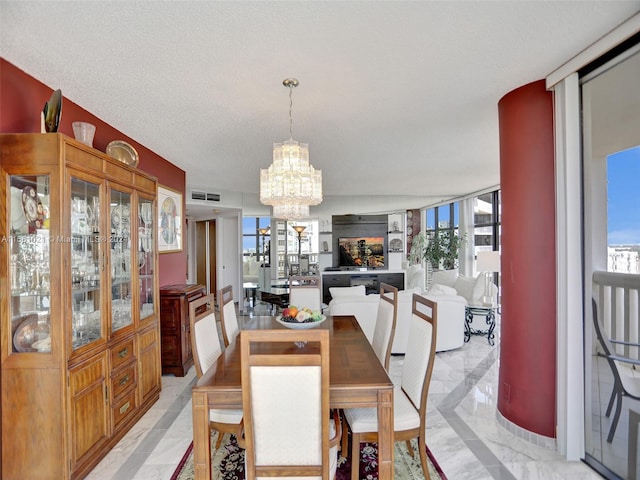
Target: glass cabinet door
(29, 267)
(146, 252)
(85, 262)
(121, 295)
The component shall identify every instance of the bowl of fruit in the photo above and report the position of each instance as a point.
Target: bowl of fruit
(300, 318)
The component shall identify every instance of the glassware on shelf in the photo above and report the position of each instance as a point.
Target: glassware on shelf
(29, 263)
(145, 256)
(121, 260)
(86, 242)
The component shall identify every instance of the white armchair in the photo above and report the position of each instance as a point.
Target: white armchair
(471, 289)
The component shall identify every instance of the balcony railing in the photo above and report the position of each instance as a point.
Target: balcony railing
(617, 296)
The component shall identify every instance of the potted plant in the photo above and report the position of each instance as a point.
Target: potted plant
(418, 244)
(442, 249)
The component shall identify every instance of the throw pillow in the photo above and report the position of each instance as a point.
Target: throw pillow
(415, 277)
(347, 291)
(477, 295)
(464, 285)
(445, 277)
(438, 289)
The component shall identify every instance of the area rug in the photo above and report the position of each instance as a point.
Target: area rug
(227, 462)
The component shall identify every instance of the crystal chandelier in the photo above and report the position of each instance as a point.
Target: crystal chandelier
(291, 183)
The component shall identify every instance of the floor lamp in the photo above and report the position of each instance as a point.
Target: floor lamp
(264, 232)
(299, 229)
(488, 263)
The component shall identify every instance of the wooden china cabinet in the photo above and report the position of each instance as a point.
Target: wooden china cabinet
(80, 336)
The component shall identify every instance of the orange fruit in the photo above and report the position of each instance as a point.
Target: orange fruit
(293, 311)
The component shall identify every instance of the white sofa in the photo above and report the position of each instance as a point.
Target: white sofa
(353, 301)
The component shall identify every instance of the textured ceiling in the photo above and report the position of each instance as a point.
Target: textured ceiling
(395, 98)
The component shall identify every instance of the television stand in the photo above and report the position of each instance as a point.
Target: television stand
(371, 279)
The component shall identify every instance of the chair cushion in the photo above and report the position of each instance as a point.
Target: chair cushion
(445, 277)
(358, 290)
(225, 416)
(405, 416)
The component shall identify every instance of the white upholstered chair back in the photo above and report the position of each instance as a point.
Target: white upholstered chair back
(205, 342)
(206, 348)
(228, 318)
(285, 395)
(385, 323)
(420, 353)
(305, 291)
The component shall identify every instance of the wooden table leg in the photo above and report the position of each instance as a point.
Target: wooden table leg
(201, 436)
(385, 434)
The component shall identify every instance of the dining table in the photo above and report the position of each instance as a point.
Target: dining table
(356, 378)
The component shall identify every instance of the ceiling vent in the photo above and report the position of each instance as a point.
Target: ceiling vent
(208, 197)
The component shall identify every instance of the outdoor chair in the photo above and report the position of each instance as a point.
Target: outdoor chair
(626, 377)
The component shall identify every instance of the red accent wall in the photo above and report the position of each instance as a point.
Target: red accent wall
(22, 98)
(527, 377)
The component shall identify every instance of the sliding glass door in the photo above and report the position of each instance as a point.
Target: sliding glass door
(611, 156)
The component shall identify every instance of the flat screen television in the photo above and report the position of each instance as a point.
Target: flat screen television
(361, 252)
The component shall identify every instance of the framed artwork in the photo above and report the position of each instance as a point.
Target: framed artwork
(169, 220)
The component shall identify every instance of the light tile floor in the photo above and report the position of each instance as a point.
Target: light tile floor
(462, 430)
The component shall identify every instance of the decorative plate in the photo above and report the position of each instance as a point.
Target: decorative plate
(300, 325)
(120, 218)
(27, 333)
(32, 206)
(52, 111)
(123, 152)
(395, 245)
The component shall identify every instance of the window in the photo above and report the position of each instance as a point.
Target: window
(623, 211)
(486, 222)
(443, 222)
(255, 245)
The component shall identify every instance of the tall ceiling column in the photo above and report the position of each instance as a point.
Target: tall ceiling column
(527, 376)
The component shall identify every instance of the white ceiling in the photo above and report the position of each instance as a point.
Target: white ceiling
(395, 98)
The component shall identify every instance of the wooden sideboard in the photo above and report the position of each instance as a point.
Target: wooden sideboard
(174, 326)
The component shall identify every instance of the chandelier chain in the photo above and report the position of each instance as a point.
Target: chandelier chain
(291, 110)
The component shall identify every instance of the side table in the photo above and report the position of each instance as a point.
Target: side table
(490, 316)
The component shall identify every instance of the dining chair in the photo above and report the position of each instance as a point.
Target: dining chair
(385, 328)
(206, 348)
(228, 318)
(383, 335)
(289, 430)
(410, 398)
(305, 291)
(626, 373)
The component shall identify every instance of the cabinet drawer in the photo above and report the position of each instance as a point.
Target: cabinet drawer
(123, 408)
(336, 280)
(122, 353)
(124, 380)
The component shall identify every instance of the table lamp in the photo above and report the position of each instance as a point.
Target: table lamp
(488, 263)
